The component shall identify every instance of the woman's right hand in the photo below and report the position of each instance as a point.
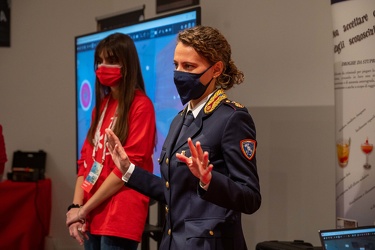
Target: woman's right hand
(119, 156)
(77, 231)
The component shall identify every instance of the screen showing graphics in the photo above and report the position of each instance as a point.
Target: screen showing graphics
(155, 40)
(358, 238)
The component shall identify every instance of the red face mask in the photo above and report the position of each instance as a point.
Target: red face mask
(109, 75)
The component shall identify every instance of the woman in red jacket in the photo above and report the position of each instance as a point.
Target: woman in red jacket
(116, 214)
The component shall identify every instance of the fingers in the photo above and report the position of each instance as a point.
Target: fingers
(83, 229)
(73, 216)
(206, 175)
(205, 161)
(112, 139)
(114, 144)
(198, 156)
(116, 150)
(196, 151)
(183, 158)
(83, 232)
(77, 231)
(70, 218)
(120, 151)
(192, 148)
(110, 134)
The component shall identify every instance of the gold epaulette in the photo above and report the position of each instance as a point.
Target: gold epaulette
(236, 104)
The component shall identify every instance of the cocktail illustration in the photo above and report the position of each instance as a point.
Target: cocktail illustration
(367, 149)
(343, 149)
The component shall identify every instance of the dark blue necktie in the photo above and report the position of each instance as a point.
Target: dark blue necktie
(189, 118)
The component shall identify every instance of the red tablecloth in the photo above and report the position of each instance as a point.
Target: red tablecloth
(25, 213)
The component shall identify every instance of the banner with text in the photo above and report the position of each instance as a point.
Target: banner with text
(354, 83)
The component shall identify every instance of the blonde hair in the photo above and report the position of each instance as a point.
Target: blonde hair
(209, 43)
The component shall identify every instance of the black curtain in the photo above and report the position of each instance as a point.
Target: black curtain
(4, 23)
(337, 1)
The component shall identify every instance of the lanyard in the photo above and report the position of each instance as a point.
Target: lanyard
(97, 137)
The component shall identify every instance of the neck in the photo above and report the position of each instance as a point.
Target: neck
(114, 92)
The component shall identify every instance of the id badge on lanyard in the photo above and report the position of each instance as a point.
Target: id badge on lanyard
(92, 177)
(97, 167)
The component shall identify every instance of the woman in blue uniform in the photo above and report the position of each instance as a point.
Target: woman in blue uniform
(209, 172)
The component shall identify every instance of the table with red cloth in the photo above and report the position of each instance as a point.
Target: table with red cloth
(25, 214)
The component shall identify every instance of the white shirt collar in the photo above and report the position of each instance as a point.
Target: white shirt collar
(199, 106)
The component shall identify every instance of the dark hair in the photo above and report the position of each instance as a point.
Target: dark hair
(209, 43)
(121, 49)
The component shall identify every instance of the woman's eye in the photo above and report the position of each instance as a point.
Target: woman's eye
(189, 67)
(184, 67)
(112, 60)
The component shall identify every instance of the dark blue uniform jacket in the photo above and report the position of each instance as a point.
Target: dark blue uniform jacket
(195, 218)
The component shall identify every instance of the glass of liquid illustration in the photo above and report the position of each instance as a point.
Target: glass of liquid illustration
(367, 149)
(343, 149)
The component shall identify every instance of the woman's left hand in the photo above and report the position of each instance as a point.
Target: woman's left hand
(198, 163)
(75, 215)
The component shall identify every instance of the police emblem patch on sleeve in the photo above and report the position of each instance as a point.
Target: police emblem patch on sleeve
(248, 148)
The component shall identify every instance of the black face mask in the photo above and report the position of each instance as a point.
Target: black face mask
(189, 86)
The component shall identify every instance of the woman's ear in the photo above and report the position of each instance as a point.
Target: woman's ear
(218, 69)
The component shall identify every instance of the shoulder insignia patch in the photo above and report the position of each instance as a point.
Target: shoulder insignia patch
(248, 148)
(214, 101)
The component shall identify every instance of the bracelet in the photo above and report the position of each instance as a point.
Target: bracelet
(202, 185)
(83, 221)
(74, 206)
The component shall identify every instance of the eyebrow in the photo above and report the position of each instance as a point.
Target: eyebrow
(186, 62)
(112, 58)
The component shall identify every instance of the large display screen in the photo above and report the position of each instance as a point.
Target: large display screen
(155, 40)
